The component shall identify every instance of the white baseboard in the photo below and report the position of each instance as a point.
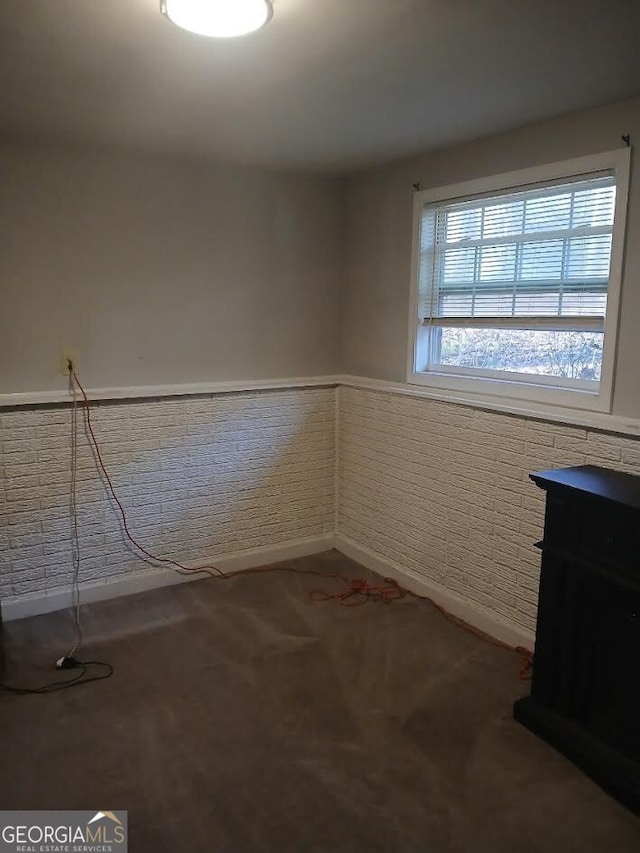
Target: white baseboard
(100, 590)
(480, 618)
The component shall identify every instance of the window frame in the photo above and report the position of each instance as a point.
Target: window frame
(486, 384)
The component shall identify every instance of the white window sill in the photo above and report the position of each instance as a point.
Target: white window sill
(490, 390)
(524, 408)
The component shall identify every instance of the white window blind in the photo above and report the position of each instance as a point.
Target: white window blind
(534, 258)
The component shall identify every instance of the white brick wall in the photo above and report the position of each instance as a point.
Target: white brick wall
(444, 491)
(199, 477)
(439, 489)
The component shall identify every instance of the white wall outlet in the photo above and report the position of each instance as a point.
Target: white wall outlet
(68, 355)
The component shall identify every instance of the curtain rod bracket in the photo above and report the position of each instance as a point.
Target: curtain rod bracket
(626, 138)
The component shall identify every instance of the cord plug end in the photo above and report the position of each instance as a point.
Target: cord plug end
(67, 663)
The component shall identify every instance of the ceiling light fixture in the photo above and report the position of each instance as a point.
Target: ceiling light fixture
(218, 18)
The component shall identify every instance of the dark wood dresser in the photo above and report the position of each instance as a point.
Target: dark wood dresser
(585, 692)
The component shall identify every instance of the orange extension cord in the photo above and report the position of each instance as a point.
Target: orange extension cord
(356, 591)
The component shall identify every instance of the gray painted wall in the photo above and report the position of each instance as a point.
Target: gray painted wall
(160, 270)
(379, 231)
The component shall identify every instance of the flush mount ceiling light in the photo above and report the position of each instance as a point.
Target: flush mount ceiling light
(218, 18)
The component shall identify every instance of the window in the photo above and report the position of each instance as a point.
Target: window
(515, 284)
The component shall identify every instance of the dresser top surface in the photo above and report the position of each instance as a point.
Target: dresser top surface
(616, 486)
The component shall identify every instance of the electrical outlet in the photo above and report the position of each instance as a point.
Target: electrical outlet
(68, 355)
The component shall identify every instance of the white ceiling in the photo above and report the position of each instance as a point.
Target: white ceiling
(328, 84)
